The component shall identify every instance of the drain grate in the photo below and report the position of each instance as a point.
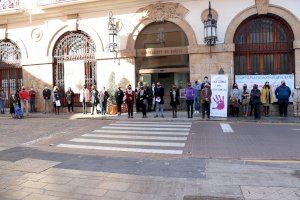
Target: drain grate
(208, 198)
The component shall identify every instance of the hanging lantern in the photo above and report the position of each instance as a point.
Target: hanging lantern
(210, 29)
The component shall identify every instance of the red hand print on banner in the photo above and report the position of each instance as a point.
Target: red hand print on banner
(219, 101)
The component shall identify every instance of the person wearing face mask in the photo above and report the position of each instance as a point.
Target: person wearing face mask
(189, 98)
(296, 101)
(205, 81)
(256, 100)
(32, 95)
(197, 88)
(174, 94)
(245, 100)
(142, 96)
(2, 101)
(266, 98)
(206, 100)
(283, 93)
(235, 100)
(129, 100)
(159, 98)
(24, 97)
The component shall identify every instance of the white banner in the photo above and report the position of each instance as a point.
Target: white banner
(219, 88)
(74, 75)
(260, 80)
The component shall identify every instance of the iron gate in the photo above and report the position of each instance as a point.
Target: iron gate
(10, 67)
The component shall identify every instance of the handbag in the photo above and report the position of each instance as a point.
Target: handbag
(98, 107)
(57, 103)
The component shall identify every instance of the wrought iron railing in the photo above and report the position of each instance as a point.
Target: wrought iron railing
(49, 2)
(9, 5)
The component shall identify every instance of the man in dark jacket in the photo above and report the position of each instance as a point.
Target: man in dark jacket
(283, 93)
(119, 99)
(256, 101)
(159, 99)
(47, 99)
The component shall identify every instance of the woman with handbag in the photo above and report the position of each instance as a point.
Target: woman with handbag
(266, 98)
(245, 100)
(174, 94)
(235, 100)
(70, 100)
(142, 96)
(56, 100)
(129, 100)
(94, 99)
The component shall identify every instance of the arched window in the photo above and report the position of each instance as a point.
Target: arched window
(264, 45)
(74, 46)
(10, 67)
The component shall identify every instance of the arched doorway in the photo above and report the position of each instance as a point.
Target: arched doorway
(264, 45)
(10, 67)
(74, 62)
(162, 55)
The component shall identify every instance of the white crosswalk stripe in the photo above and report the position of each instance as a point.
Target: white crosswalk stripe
(226, 128)
(138, 137)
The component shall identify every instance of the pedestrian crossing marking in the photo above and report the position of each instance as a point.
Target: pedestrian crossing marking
(138, 128)
(136, 143)
(226, 128)
(133, 137)
(138, 137)
(147, 125)
(135, 150)
(140, 132)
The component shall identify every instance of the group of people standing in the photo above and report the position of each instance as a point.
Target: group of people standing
(255, 98)
(22, 99)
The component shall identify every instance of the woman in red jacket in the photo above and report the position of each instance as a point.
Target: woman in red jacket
(129, 100)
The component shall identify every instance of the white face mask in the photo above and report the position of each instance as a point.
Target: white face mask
(297, 87)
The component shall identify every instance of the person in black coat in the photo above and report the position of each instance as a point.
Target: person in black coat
(256, 101)
(174, 94)
(159, 99)
(119, 99)
(142, 96)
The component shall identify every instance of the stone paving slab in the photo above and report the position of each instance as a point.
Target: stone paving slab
(30, 165)
(270, 193)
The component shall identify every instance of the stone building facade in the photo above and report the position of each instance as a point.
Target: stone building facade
(66, 43)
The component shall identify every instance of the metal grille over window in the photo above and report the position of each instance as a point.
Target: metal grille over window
(74, 46)
(10, 67)
(264, 45)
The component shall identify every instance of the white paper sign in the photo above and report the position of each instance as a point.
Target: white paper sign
(74, 75)
(219, 88)
(260, 80)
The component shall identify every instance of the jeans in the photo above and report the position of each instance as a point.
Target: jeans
(119, 108)
(24, 106)
(206, 107)
(70, 107)
(159, 109)
(2, 106)
(94, 106)
(84, 107)
(197, 103)
(296, 109)
(245, 109)
(103, 109)
(189, 106)
(32, 105)
(130, 109)
(283, 105)
(47, 104)
(174, 110)
(257, 108)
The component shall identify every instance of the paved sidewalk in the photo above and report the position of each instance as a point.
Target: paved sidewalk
(182, 116)
(33, 179)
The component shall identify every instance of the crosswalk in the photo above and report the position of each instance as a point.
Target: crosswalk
(135, 136)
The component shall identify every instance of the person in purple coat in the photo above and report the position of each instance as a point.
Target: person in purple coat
(189, 98)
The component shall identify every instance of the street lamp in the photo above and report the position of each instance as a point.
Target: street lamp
(112, 33)
(210, 30)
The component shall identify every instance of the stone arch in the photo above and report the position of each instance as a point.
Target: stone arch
(183, 24)
(19, 42)
(88, 30)
(285, 14)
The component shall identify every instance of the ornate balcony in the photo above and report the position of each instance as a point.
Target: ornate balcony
(51, 2)
(6, 5)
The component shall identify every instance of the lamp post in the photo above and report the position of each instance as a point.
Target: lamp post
(210, 30)
(112, 34)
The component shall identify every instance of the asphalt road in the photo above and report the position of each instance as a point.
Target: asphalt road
(235, 140)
